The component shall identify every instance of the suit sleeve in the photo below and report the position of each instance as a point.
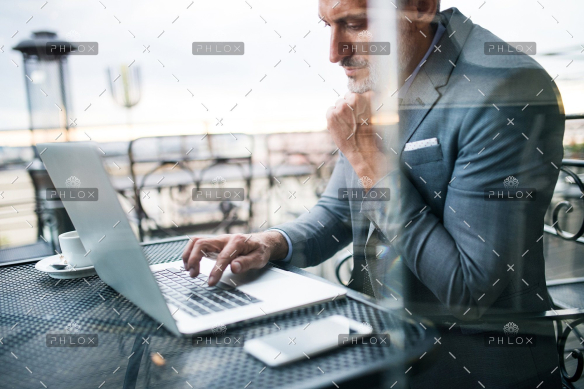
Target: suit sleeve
(317, 235)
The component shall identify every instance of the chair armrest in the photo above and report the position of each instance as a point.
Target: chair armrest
(338, 264)
(557, 314)
(553, 315)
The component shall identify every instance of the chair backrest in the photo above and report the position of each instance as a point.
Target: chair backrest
(569, 191)
(564, 221)
(197, 158)
(190, 147)
(314, 149)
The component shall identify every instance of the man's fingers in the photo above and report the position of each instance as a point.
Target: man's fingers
(246, 262)
(329, 113)
(230, 251)
(187, 251)
(200, 249)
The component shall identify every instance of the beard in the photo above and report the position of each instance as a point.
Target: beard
(369, 83)
(406, 52)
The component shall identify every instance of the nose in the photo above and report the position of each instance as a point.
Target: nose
(336, 55)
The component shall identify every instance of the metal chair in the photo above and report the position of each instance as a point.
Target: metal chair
(183, 151)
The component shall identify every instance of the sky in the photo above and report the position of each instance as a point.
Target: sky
(283, 82)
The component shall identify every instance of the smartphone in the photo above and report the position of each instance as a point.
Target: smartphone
(303, 342)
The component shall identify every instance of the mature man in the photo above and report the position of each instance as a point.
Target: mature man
(479, 145)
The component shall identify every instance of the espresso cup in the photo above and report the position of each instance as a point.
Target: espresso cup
(73, 250)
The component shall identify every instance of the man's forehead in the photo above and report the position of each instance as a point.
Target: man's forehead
(333, 10)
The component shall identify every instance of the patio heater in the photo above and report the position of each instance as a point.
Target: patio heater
(48, 101)
(46, 80)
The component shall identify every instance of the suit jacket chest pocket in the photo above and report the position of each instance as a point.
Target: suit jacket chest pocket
(423, 155)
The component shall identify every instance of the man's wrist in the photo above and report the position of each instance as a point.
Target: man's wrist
(276, 243)
(372, 166)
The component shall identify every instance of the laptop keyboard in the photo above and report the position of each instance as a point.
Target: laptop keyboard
(195, 296)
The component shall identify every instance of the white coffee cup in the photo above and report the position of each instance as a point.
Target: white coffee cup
(73, 250)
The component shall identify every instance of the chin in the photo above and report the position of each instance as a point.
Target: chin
(358, 79)
(361, 84)
(358, 87)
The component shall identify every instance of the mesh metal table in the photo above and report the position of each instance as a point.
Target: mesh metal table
(135, 352)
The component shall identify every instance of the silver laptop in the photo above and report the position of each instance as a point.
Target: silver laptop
(166, 292)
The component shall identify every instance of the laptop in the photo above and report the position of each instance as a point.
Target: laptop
(166, 292)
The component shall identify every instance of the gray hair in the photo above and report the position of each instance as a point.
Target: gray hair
(404, 2)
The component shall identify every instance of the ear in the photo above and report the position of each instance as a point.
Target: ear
(424, 11)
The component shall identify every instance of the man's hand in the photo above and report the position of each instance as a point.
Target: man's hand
(243, 252)
(349, 123)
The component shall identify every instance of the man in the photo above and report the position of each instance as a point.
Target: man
(455, 241)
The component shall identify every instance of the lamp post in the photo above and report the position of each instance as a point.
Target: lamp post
(48, 101)
(46, 79)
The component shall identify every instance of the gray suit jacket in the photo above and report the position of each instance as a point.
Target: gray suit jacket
(439, 246)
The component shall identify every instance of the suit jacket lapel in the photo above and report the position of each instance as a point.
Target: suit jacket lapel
(417, 103)
(434, 74)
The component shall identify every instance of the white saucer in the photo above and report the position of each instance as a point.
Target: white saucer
(44, 265)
